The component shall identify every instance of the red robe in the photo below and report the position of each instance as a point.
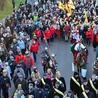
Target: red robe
(34, 47)
(38, 33)
(18, 57)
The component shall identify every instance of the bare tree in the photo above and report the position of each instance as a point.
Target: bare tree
(2, 4)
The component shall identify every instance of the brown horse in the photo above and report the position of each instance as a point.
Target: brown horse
(80, 60)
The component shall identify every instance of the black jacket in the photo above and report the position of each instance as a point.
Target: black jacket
(12, 65)
(62, 86)
(47, 81)
(37, 93)
(74, 87)
(90, 95)
(5, 82)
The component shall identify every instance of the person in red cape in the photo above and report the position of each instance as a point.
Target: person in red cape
(19, 56)
(88, 35)
(47, 35)
(29, 63)
(38, 33)
(52, 30)
(34, 48)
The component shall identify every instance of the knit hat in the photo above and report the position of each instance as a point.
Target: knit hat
(46, 86)
(45, 74)
(85, 80)
(38, 85)
(69, 91)
(87, 88)
(19, 86)
(76, 73)
(15, 94)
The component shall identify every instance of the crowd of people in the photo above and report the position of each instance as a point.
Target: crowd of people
(34, 23)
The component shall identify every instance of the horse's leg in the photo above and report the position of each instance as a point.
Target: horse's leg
(78, 68)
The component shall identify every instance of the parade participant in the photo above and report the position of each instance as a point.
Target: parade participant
(94, 40)
(88, 35)
(93, 85)
(23, 64)
(21, 45)
(87, 94)
(95, 67)
(16, 76)
(29, 63)
(7, 68)
(52, 30)
(38, 33)
(61, 80)
(50, 74)
(23, 83)
(52, 61)
(84, 85)
(47, 91)
(37, 92)
(5, 84)
(19, 56)
(14, 44)
(45, 59)
(35, 75)
(77, 48)
(30, 87)
(3, 52)
(46, 53)
(47, 35)
(75, 84)
(34, 48)
(9, 54)
(57, 91)
(70, 94)
(19, 69)
(76, 36)
(19, 91)
(45, 80)
(66, 31)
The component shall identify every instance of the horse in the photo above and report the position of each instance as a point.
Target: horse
(81, 60)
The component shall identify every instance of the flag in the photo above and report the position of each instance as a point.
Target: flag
(69, 6)
(85, 16)
(61, 6)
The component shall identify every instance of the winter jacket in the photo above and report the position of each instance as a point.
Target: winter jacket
(34, 47)
(21, 44)
(23, 84)
(31, 61)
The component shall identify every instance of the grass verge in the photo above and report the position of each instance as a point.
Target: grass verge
(8, 8)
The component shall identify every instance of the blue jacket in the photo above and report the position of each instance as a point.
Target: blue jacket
(37, 93)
